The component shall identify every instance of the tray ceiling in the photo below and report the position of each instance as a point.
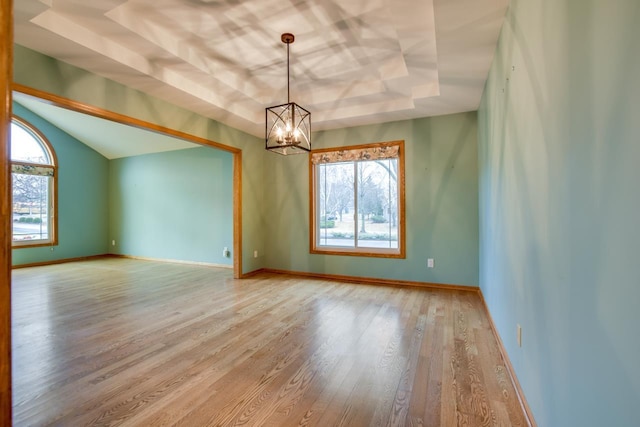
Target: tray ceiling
(355, 62)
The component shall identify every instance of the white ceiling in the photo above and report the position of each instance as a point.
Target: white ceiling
(353, 62)
(112, 140)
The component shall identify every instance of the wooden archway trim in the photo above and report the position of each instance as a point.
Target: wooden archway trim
(91, 110)
(6, 71)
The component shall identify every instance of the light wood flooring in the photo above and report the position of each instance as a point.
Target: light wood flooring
(140, 343)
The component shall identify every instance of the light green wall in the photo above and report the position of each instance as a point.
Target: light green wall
(82, 202)
(441, 203)
(173, 205)
(41, 72)
(559, 150)
(441, 180)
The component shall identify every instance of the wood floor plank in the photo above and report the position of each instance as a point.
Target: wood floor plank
(270, 384)
(183, 401)
(142, 343)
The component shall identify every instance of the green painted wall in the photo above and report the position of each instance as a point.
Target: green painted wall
(82, 197)
(559, 205)
(45, 73)
(441, 180)
(174, 205)
(441, 203)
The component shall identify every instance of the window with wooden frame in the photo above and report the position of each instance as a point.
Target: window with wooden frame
(357, 200)
(33, 180)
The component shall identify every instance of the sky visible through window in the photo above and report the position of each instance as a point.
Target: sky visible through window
(25, 148)
(32, 187)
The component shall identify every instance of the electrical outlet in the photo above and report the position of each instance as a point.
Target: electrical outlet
(225, 252)
(430, 263)
(113, 243)
(519, 332)
(255, 254)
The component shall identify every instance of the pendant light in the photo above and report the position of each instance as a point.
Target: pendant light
(288, 126)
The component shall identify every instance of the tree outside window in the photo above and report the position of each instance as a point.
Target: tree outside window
(357, 200)
(33, 174)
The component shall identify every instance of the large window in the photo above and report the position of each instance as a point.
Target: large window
(33, 174)
(357, 200)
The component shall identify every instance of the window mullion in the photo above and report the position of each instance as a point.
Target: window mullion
(324, 206)
(389, 200)
(355, 204)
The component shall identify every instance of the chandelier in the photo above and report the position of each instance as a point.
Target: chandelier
(288, 126)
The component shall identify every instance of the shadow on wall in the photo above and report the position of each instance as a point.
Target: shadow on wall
(441, 202)
(434, 204)
(557, 235)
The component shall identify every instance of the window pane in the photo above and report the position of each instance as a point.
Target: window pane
(357, 200)
(377, 204)
(30, 207)
(334, 213)
(25, 147)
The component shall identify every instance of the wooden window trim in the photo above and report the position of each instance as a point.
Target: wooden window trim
(53, 232)
(360, 252)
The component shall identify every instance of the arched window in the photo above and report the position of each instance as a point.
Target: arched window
(34, 174)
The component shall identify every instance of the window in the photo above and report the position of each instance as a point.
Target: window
(357, 200)
(33, 177)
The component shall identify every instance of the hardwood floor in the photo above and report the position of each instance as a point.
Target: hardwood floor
(141, 343)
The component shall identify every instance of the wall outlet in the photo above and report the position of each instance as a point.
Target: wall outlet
(113, 243)
(225, 252)
(255, 254)
(430, 263)
(519, 332)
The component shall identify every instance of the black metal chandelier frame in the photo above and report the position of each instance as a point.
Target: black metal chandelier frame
(287, 126)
